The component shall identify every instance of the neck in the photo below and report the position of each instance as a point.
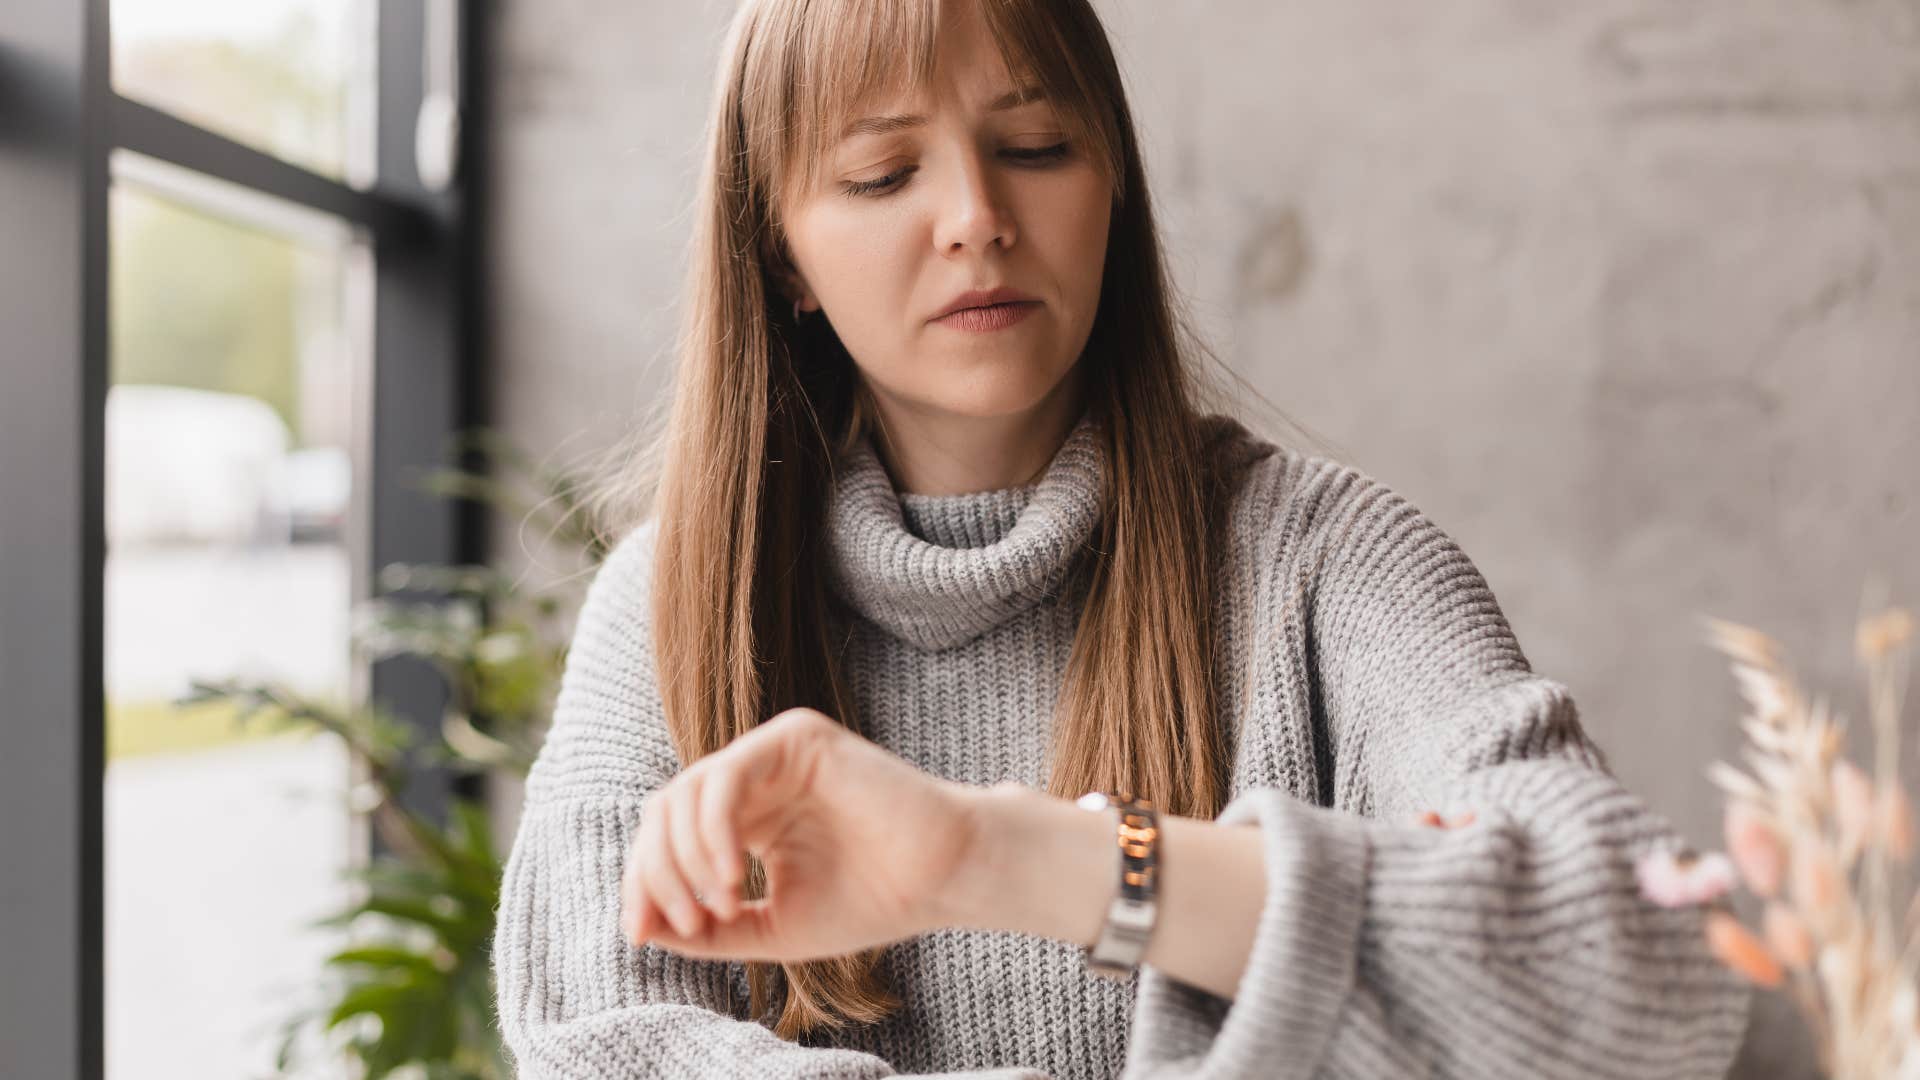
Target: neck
(937, 452)
(939, 570)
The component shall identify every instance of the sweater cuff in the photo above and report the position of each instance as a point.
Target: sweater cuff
(1300, 972)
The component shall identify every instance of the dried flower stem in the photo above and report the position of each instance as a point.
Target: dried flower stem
(1841, 838)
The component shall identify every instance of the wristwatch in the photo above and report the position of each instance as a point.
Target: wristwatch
(1130, 916)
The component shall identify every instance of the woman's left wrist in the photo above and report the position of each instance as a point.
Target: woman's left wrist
(1031, 863)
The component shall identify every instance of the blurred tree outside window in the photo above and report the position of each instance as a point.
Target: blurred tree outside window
(284, 76)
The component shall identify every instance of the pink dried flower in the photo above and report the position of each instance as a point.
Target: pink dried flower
(1816, 881)
(1432, 819)
(1896, 822)
(1787, 936)
(1683, 879)
(1878, 636)
(1852, 805)
(1795, 830)
(1737, 948)
(1755, 849)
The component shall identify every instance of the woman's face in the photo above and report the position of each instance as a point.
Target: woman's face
(966, 188)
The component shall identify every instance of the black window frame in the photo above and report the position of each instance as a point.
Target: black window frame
(60, 120)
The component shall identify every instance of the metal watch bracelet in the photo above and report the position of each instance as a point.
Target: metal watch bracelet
(1130, 916)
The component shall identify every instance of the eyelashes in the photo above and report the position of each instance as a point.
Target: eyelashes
(1040, 157)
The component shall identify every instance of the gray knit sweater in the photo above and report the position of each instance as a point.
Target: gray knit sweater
(1365, 674)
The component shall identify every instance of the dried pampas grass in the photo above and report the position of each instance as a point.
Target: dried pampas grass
(1826, 846)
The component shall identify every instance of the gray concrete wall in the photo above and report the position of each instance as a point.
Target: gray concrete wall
(1624, 294)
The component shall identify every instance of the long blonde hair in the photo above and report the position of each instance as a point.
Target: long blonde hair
(763, 404)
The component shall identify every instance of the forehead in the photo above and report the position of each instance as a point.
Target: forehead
(891, 63)
(904, 111)
(912, 57)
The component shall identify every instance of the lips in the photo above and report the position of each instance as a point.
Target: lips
(991, 317)
(979, 298)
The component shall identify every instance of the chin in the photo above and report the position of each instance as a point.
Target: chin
(995, 395)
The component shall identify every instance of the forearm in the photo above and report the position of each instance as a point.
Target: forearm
(1048, 868)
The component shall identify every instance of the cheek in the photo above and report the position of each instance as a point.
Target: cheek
(1077, 224)
(860, 269)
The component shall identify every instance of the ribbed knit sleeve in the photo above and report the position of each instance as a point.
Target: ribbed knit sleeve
(1515, 946)
(576, 1000)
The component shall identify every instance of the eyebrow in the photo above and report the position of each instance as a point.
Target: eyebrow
(885, 125)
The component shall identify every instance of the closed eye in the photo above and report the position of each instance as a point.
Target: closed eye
(885, 185)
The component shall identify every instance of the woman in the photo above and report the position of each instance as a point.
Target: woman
(941, 542)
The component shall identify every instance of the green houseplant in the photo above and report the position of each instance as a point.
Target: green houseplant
(412, 993)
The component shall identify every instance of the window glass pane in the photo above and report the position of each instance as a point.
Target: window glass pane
(291, 77)
(230, 434)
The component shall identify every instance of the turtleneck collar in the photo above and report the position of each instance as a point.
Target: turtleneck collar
(940, 570)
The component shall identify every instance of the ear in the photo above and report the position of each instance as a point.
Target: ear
(793, 286)
(787, 277)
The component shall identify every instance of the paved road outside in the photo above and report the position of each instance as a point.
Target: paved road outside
(173, 613)
(215, 859)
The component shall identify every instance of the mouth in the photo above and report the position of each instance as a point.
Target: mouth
(988, 317)
(977, 298)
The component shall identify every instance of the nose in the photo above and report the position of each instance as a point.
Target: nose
(972, 215)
